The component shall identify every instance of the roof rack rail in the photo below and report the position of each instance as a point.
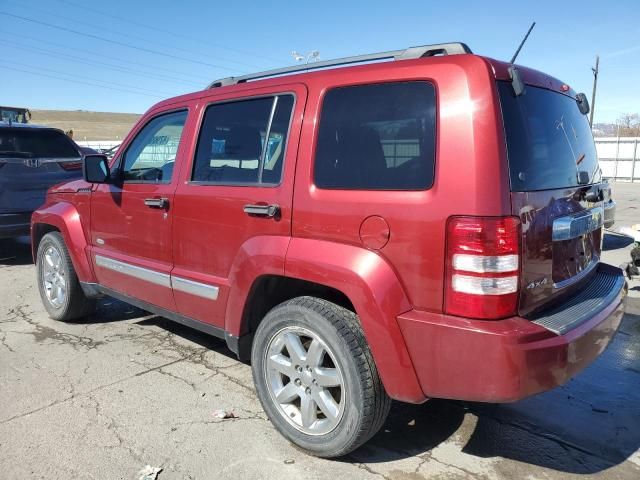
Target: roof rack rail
(453, 48)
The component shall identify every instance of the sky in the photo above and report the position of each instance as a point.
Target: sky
(126, 55)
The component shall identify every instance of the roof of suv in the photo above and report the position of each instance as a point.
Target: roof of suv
(458, 54)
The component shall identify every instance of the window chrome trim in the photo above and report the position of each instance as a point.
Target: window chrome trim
(195, 288)
(158, 278)
(267, 134)
(577, 225)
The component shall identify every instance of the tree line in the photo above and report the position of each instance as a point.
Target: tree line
(628, 125)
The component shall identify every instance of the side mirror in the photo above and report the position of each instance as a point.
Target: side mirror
(95, 168)
(583, 103)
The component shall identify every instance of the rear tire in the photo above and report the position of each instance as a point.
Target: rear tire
(336, 375)
(58, 283)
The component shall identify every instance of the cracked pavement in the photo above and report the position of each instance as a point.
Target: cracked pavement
(101, 398)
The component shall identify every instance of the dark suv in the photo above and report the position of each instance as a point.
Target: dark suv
(32, 159)
(426, 226)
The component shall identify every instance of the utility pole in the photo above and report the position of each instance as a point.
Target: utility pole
(593, 94)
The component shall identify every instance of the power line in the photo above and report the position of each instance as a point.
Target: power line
(88, 78)
(77, 81)
(90, 52)
(157, 29)
(118, 68)
(49, 14)
(116, 42)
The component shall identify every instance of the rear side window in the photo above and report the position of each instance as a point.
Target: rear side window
(377, 137)
(36, 142)
(243, 142)
(548, 140)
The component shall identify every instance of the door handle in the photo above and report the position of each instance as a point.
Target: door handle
(270, 211)
(156, 202)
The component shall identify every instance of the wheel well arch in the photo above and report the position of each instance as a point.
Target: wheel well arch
(268, 291)
(39, 231)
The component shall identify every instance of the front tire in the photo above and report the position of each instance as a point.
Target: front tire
(58, 283)
(316, 378)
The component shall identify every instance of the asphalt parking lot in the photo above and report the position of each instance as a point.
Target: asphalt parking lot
(102, 398)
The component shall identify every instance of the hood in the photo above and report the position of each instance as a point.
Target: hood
(74, 186)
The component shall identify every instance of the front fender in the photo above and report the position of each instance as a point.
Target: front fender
(65, 217)
(378, 297)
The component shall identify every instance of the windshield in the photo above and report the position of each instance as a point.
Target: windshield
(15, 115)
(548, 140)
(41, 143)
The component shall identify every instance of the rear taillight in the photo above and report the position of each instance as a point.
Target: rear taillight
(483, 266)
(71, 165)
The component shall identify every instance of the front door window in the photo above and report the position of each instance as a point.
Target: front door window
(151, 155)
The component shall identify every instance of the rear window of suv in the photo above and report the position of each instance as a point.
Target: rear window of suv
(548, 140)
(36, 143)
(377, 137)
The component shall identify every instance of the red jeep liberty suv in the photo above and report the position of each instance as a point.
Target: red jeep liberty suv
(425, 224)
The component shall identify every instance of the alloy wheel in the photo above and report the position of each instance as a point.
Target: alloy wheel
(53, 277)
(304, 380)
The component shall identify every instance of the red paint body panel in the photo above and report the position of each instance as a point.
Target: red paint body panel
(125, 229)
(259, 256)
(69, 213)
(375, 291)
(467, 104)
(212, 233)
(397, 289)
(504, 360)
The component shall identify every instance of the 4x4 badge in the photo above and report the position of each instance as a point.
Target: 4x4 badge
(537, 283)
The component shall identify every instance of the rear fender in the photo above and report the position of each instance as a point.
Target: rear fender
(378, 297)
(65, 217)
(263, 255)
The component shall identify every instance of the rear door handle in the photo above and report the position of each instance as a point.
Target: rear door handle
(270, 211)
(156, 202)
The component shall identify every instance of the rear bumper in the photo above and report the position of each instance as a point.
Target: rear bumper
(507, 360)
(15, 224)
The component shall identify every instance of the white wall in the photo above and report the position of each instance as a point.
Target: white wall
(619, 157)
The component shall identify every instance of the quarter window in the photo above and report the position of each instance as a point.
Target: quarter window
(243, 142)
(377, 137)
(151, 155)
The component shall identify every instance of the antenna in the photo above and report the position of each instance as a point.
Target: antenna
(513, 59)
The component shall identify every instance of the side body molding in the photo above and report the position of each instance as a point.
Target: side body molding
(377, 295)
(65, 217)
